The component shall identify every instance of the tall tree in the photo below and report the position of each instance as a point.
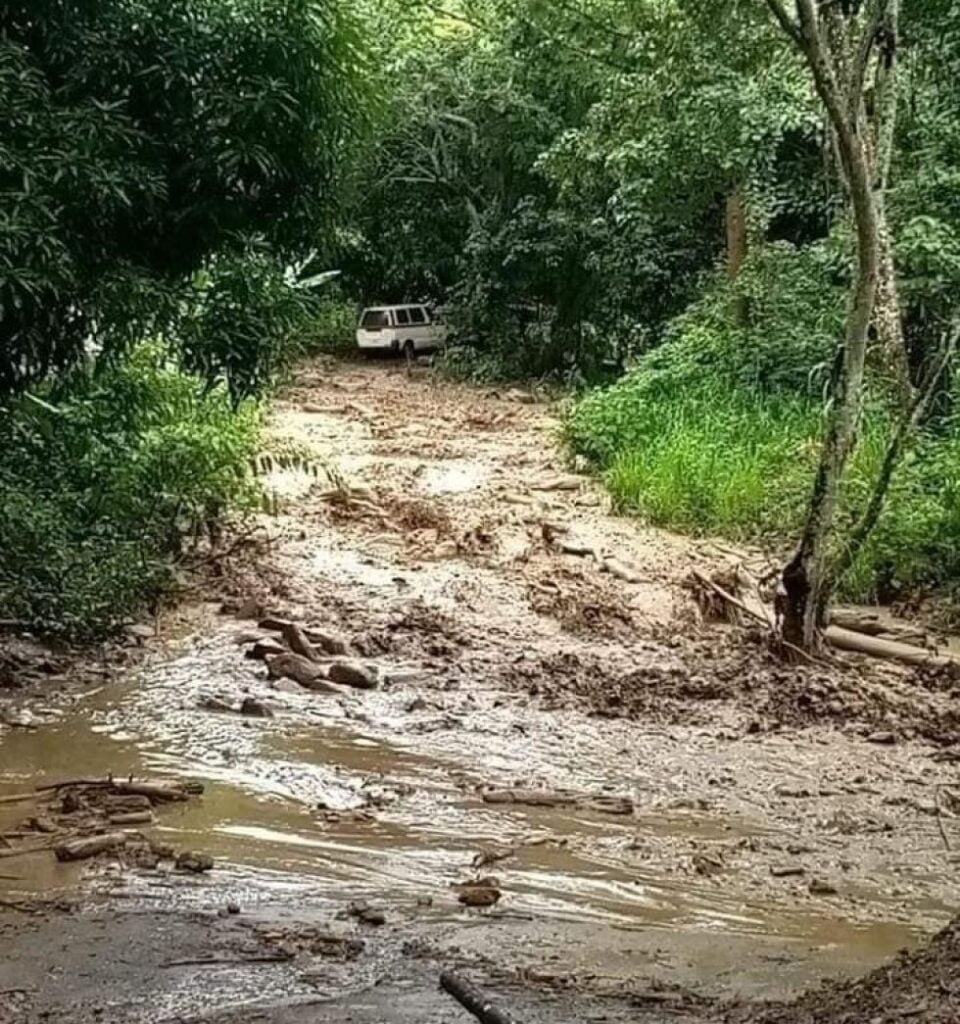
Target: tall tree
(139, 136)
(851, 51)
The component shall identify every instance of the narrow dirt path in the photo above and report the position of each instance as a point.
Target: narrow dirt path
(670, 816)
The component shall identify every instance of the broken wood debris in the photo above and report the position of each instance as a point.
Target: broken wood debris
(473, 1000)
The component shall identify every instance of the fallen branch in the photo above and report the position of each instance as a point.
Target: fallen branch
(17, 798)
(22, 851)
(943, 831)
(473, 1000)
(154, 791)
(892, 650)
(92, 846)
(760, 616)
(839, 637)
(266, 958)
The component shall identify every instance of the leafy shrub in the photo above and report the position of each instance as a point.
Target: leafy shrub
(245, 322)
(711, 462)
(717, 431)
(331, 326)
(140, 137)
(97, 492)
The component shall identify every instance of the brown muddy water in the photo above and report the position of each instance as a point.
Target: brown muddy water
(276, 816)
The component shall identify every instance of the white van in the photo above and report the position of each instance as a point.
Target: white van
(407, 329)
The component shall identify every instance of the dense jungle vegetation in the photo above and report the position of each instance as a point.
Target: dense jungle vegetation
(655, 203)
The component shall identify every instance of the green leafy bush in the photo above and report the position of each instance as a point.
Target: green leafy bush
(332, 325)
(245, 323)
(98, 491)
(717, 431)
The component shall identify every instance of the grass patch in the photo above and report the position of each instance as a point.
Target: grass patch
(739, 464)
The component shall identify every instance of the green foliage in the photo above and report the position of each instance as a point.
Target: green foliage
(138, 137)
(717, 430)
(793, 320)
(244, 323)
(715, 461)
(332, 325)
(98, 490)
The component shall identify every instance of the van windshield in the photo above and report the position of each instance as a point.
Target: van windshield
(375, 318)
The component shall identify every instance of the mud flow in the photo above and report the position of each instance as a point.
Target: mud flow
(492, 596)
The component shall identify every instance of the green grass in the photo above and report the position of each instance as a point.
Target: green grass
(737, 463)
(709, 465)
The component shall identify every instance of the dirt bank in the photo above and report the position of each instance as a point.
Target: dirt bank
(672, 817)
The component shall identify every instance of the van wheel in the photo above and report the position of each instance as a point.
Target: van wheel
(409, 350)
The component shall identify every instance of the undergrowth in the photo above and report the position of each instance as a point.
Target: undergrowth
(717, 432)
(100, 487)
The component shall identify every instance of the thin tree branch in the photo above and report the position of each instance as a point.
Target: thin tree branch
(867, 42)
(786, 22)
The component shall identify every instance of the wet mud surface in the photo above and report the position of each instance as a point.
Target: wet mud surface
(671, 819)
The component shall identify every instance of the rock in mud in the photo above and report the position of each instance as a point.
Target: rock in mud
(163, 850)
(329, 643)
(273, 624)
(794, 792)
(264, 649)
(787, 870)
(352, 673)
(214, 704)
(132, 818)
(706, 866)
(621, 570)
(479, 896)
(253, 708)
(295, 667)
(821, 887)
(367, 914)
(297, 641)
(197, 863)
(882, 737)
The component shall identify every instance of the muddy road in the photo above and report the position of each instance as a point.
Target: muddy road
(669, 818)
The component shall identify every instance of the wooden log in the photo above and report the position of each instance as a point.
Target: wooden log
(131, 818)
(892, 650)
(473, 1000)
(870, 624)
(91, 846)
(155, 792)
(18, 798)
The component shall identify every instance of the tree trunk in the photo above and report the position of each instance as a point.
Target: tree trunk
(736, 224)
(806, 579)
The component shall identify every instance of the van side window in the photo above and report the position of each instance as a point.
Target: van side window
(416, 315)
(402, 318)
